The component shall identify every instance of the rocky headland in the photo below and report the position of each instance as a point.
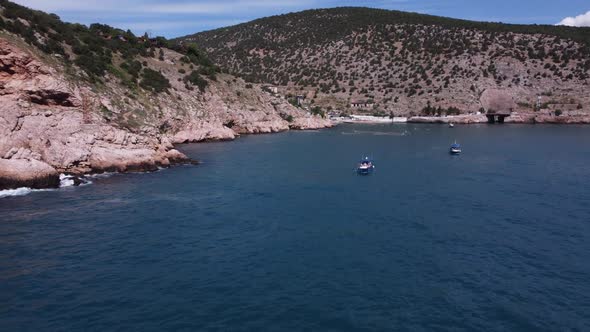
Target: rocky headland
(53, 121)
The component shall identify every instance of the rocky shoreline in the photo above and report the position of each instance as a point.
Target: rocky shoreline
(52, 124)
(28, 173)
(25, 168)
(524, 118)
(21, 167)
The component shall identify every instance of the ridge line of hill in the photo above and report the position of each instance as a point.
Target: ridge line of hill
(408, 64)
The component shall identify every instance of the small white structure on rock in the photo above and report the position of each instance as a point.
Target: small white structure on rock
(362, 104)
(271, 89)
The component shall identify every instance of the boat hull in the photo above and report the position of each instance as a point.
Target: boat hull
(364, 171)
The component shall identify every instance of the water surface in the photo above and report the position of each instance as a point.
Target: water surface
(277, 232)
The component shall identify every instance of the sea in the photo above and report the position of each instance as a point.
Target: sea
(278, 232)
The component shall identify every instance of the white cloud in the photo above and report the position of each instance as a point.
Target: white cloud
(578, 21)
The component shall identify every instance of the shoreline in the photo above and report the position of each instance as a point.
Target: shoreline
(368, 119)
(515, 118)
(51, 124)
(54, 180)
(78, 179)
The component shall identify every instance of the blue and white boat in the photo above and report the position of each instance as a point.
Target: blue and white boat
(365, 166)
(455, 148)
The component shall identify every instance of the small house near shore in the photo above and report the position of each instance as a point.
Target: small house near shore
(362, 104)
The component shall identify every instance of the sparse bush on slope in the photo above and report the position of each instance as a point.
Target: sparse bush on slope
(154, 81)
(94, 47)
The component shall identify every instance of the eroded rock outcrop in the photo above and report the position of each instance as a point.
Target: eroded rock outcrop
(51, 125)
(459, 119)
(31, 173)
(497, 100)
(44, 128)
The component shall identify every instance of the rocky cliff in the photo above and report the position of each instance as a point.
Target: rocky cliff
(56, 119)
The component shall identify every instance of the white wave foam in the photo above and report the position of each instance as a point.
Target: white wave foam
(66, 180)
(20, 191)
(15, 192)
(100, 175)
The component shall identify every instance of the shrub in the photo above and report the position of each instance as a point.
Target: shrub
(210, 72)
(287, 117)
(195, 78)
(453, 111)
(428, 110)
(154, 81)
(316, 110)
(91, 65)
(196, 56)
(293, 101)
(132, 67)
(53, 47)
(558, 112)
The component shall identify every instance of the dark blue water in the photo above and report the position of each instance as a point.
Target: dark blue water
(277, 232)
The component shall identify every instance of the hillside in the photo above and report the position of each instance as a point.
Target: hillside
(400, 63)
(80, 99)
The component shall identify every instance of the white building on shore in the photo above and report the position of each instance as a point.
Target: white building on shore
(362, 104)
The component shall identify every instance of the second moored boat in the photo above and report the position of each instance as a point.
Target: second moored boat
(365, 166)
(455, 148)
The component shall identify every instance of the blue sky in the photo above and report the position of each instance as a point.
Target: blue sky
(173, 18)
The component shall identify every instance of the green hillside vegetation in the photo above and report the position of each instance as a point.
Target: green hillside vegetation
(335, 23)
(390, 56)
(376, 31)
(99, 48)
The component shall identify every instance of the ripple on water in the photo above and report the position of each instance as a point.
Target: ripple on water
(276, 232)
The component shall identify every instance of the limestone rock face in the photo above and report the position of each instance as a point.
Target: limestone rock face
(201, 131)
(497, 100)
(34, 82)
(306, 123)
(31, 173)
(46, 119)
(459, 119)
(570, 119)
(68, 144)
(43, 123)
